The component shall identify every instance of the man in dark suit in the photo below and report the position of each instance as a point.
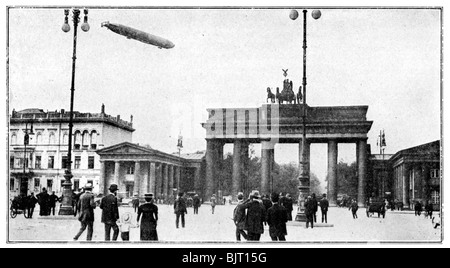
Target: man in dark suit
(288, 204)
(110, 213)
(324, 204)
(277, 216)
(180, 209)
(31, 203)
(196, 203)
(239, 218)
(52, 199)
(87, 206)
(256, 217)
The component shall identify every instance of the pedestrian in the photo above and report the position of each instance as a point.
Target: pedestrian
(315, 205)
(266, 201)
(213, 201)
(277, 216)
(52, 199)
(281, 199)
(196, 203)
(179, 207)
(239, 218)
(31, 204)
(354, 208)
(110, 213)
(256, 217)
(75, 198)
(324, 204)
(288, 204)
(149, 212)
(43, 199)
(125, 223)
(429, 210)
(87, 206)
(309, 212)
(417, 208)
(135, 202)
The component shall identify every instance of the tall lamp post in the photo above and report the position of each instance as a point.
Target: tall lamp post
(26, 141)
(304, 178)
(382, 144)
(66, 206)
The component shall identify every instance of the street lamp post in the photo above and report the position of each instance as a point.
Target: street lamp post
(66, 206)
(304, 176)
(26, 141)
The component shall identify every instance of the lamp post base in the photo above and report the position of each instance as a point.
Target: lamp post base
(66, 204)
(66, 210)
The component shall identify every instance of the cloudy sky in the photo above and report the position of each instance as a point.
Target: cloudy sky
(388, 59)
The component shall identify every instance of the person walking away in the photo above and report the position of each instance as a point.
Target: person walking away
(239, 218)
(43, 198)
(179, 207)
(148, 223)
(315, 202)
(196, 203)
(354, 208)
(277, 216)
(110, 213)
(75, 198)
(417, 208)
(256, 217)
(125, 223)
(288, 204)
(52, 199)
(31, 204)
(324, 204)
(135, 203)
(213, 203)
(428, 210)
(309, 212)
(87, 206)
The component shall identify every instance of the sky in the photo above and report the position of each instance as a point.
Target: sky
(388, 59)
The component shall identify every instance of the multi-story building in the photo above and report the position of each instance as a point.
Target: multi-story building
(42, 161)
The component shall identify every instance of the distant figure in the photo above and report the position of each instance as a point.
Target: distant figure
(239, 218)
(324, 204)
(429, 210)
(31, 204)
(309, 212)
(52, 199)
(277, 216)
(266, 201)
(125, 223)
(354, 208)
(110, 213)
(213, 203)
(135, 202)
(314, 200)
(43, 199)
(87, 206)
(149, 212)
(256, 217)
(196, 203)
(288, 204)
(179, 207)
(417, 208)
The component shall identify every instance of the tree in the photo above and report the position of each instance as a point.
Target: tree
(347, 179)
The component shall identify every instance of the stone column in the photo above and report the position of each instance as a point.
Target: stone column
(197, 178)
(332, 172)
(102, 181)
(210, 169)
(116, 172)
(237, 171)
(137, 178)
(170, 186)
(266, 152)
(152, 179)
(159, 180)
(244, 168)
(406, 186)
(165, 184)
(362, 169)
(177, 177)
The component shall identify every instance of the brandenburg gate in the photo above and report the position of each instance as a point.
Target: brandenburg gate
(283, 123)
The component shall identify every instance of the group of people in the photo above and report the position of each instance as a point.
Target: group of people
(47, 203)
(147, 215)
(311, 208)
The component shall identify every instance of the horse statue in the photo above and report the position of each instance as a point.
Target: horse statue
(287, 94)
(299, 95)
(270, 96)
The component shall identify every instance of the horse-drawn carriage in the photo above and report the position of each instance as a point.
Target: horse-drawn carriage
(377, 206)
(19, 205)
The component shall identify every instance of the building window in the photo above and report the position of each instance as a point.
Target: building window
(77, 162)
(51, 162)
(52, 138)
(14, 138)
(90, 162)
(77, 142)
(49, 185)
(18, 162)
(94, 140)
(39, 138)
(65, 138)
(130, 170)
(37, 182)
(435, 197)
(64, 161)
(91, 182)
(11, 184)
(85, 139)
(37, 162)
(434, 173)
(11, 162)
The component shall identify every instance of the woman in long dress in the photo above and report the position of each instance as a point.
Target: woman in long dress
(149, 212)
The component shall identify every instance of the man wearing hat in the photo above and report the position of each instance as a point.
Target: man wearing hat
(110, 213)
(324, 204)
(180, 209)
(239, 217)
(256, 217)
(149, 212)
(277, 216)
(87, 206)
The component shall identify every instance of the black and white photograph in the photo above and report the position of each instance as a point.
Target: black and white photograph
(274, 125)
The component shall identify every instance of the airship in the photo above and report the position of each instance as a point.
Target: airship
(139, 35)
